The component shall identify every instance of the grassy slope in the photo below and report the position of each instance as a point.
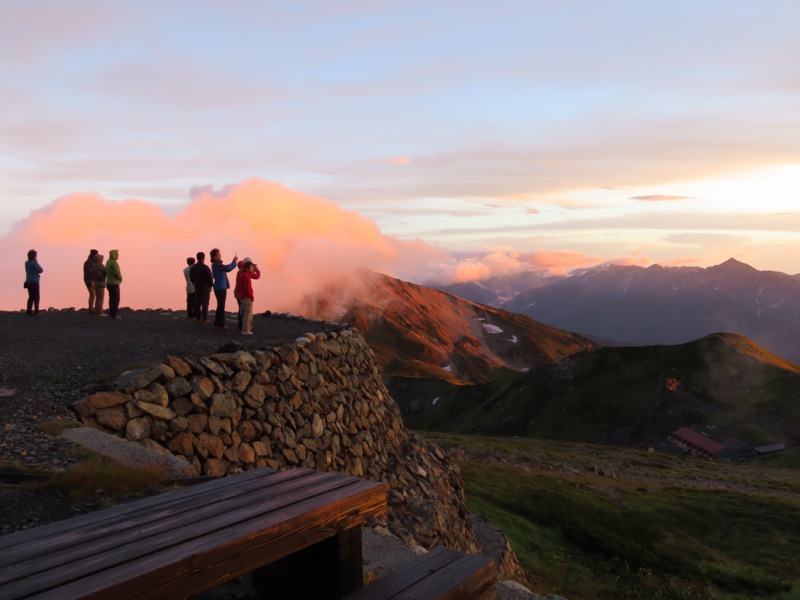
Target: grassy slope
(600, 522)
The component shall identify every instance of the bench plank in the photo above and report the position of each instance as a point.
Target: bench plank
(441, 573)
(86, 536)
(193, 540)
(108, 520)
(468, 577)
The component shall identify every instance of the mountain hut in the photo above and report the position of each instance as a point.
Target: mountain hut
(698, 444)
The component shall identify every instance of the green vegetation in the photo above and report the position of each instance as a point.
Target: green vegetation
(56, 426)
(590, 521)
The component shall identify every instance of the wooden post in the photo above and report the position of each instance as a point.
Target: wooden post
(351, 560)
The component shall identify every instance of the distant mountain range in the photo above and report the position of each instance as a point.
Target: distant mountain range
(626, 305)
(458, 365)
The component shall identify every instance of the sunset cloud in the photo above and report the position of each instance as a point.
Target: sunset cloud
(561, 262)
(660, 198)
(300, 242)
(505, 261)
(399, 160)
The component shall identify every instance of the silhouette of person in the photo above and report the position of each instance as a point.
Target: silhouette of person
(113, 281)
(99, 280)
(203, 281)
(191, 298)
(239, 312)
(32, 271)
(244, 291)
(221, 284)
(87, 278)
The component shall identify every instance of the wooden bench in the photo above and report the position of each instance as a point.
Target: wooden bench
(186, 541)
(442, 574)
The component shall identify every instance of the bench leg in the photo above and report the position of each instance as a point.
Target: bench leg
(327, 570)
(351, 560)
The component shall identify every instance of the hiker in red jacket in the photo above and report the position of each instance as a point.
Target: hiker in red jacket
(244, 293)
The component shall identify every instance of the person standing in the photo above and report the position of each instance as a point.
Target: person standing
(32, 271)
(99, 280)
(87, 278)
(113, 281)
(220, 271)
(244, 292)
(203, 281)
(239, 312)
(191, 300)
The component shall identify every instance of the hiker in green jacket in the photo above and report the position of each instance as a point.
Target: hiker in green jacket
(113, 281)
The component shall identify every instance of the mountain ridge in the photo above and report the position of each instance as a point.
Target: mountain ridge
(420, 331)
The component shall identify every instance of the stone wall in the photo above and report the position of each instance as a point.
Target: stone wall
(319, 402)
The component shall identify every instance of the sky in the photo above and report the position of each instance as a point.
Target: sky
(434, 141)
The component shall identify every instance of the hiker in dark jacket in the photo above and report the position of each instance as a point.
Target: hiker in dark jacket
(203, 281)
(88, 280)
(99, 282)
(191, 299)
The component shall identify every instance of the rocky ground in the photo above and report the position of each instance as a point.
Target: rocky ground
(49, 361)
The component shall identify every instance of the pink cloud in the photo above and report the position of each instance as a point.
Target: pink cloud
(679, 262)
(560, 262)
(504, 261)
(301, 243)
(660, 198)
(398, 160)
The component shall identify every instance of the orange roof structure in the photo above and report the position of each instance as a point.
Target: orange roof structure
(698, 442)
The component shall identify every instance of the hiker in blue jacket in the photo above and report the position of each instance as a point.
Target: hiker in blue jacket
(221, 284)
(32, 271)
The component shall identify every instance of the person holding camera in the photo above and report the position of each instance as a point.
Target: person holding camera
(220, 271)
(243, 291)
